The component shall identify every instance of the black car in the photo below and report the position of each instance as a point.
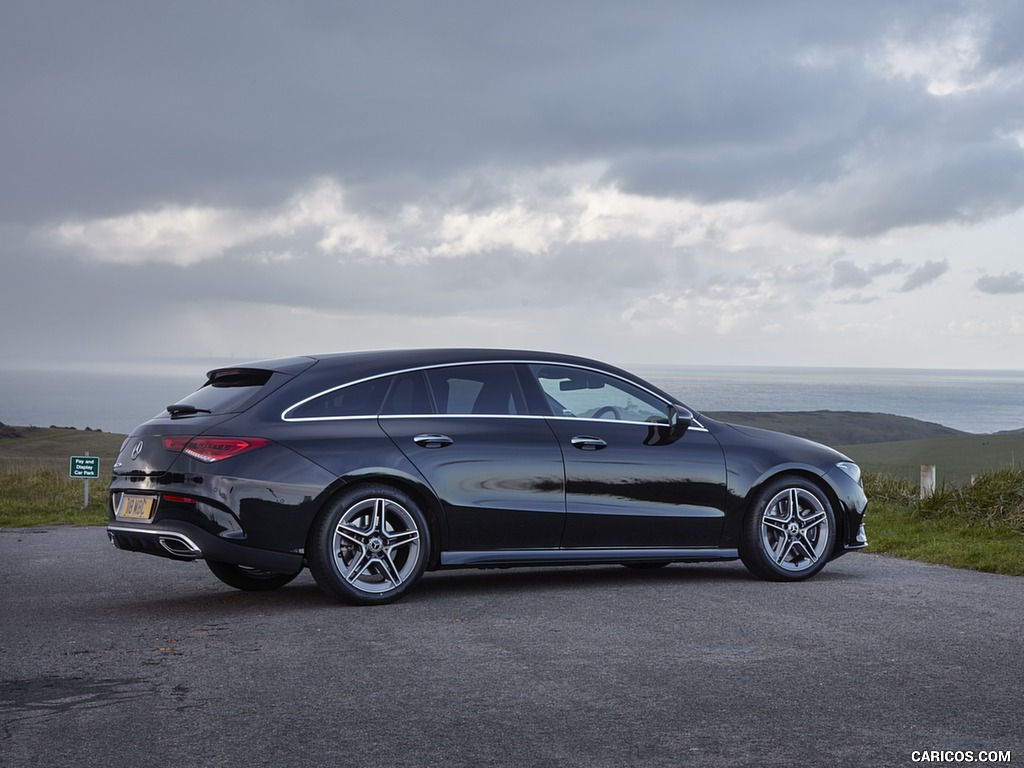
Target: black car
(372, 467)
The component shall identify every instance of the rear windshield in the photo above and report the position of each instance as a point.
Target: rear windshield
(228, 391)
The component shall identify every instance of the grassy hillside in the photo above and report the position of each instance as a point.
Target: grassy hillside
(955, 458)
(35, 488)
(896, 445)
(23, 446)
(840, 427)
(880, 442)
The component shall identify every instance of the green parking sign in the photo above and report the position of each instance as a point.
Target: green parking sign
(87, 467)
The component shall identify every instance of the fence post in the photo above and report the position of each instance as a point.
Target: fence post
(927, 480)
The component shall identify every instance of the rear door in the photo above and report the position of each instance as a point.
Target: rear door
(497, 470)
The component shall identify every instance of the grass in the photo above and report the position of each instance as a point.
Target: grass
(35, 488)
(39, 494)
(979, 526)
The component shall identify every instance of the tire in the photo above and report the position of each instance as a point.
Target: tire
(789, 531)
(369, 546)
(249, 579)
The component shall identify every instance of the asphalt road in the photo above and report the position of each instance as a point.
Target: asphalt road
(119, 659)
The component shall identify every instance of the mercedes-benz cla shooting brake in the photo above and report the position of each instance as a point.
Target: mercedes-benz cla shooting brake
(373, 467)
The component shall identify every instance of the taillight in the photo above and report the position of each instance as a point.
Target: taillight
(175, 444)
(211, 449)
(178, 499)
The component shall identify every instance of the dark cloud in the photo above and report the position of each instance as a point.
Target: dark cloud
(846, 274)
(1011, 282)
(925, 274)
(786, 116)
(114, 106)
(858, 299)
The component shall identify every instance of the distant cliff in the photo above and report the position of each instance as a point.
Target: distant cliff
(840, 427)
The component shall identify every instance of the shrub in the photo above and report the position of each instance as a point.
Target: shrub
(881, 487)
(995, 498)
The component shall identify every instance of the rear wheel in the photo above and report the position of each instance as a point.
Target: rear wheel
(249, 579)
(789, 532)
(369, 546)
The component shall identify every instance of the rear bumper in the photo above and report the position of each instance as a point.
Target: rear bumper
(180, 540)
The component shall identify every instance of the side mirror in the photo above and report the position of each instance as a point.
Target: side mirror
(679, 420)
(667, 432)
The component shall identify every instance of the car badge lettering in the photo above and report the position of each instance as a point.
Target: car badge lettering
(136, 450)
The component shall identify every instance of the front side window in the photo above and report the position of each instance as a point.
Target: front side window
(586, 394)
(487, 390)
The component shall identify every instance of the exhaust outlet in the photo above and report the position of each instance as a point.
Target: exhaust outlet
(180, 546)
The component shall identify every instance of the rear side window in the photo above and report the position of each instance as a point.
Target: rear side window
(477, 389)
(362, 399)
(404, 394)
(407, 396)
(228, 391)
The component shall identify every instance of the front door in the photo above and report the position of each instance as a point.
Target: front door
(626, 484)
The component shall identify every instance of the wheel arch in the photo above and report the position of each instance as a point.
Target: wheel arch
(412, 487)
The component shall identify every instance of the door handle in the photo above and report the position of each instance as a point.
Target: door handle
(432, 441)
(587, 443)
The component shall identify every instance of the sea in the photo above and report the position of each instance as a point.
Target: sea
(980, 402)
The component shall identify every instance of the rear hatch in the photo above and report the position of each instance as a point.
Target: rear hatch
(152, 447)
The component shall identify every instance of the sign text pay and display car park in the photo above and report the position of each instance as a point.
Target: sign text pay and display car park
(85, 467)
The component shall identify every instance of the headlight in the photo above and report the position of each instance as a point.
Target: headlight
(851, 469)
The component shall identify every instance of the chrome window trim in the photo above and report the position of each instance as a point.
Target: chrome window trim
(285, 417)
(284, 413)
(696, 426)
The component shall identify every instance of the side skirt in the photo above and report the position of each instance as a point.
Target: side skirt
(583, 556)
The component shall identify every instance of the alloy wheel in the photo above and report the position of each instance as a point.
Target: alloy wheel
(795, 529)
(376, 545)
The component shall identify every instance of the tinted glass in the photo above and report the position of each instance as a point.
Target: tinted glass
(477, 389)
(362, 399)
(228, 391)
(591, 395)
(408, 396)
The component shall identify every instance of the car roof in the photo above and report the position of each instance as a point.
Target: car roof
(387, 359)
(368, 363)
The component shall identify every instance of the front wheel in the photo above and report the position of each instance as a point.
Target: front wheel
(369, 546)
(249, 579)
(789, 532)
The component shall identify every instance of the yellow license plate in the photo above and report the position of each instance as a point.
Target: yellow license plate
(136, 508)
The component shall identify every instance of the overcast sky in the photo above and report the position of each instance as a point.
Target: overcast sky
(742, 183)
